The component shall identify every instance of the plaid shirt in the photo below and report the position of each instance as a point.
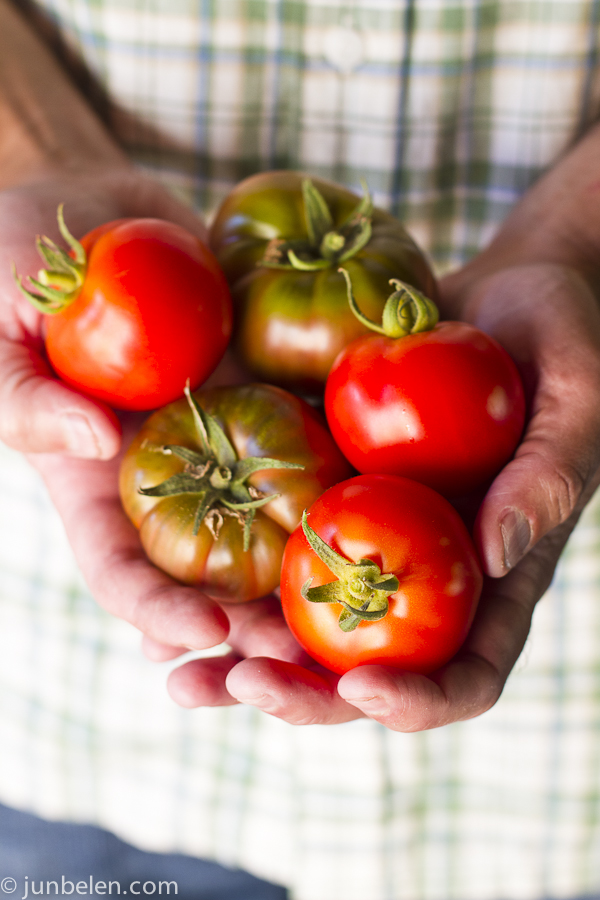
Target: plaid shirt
(449, 110)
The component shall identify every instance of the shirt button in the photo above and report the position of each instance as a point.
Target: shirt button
(343, 48)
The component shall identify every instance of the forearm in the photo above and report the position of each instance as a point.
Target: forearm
(45, 124)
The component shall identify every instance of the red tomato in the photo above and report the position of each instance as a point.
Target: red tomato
(408, 531)
(153, 311)
(445, 407)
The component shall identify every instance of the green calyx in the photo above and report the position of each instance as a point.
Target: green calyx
(361, 588)
(406, 311)
(325, 246)
(59, 284)
(217, 476)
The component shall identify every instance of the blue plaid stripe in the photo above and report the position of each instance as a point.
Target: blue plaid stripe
(478, 97)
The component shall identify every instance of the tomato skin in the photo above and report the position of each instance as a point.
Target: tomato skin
(410, 531)
(154, 310)
(259, 420)
(221, 568)
(445, 407)
(290, 325)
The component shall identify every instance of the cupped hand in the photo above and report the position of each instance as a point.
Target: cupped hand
(547, 318)
(39, 413)
(545, 315)
(72, 440)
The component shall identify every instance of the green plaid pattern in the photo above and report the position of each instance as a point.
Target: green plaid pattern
(504, 806)
(449, 110)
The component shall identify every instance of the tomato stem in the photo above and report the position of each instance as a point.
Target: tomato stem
(217, 476)
(406, 311)
(361, 589)
(325, 246)
(59, 284)
(319, 220)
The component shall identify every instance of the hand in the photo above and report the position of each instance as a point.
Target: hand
(40, 413)
(53, 149)
(547, 317)
(51, 421)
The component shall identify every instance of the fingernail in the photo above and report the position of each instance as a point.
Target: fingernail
(516, 536)
(79, 437)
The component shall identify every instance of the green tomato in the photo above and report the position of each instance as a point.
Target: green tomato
(280, 239)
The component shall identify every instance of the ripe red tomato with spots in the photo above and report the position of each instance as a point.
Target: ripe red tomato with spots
(134, 310)
(444, 406)
(382, 570)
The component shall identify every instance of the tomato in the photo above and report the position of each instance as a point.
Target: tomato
(214, 466)
(406, 569)
(139, 307)
(292, 317)
(444, 406)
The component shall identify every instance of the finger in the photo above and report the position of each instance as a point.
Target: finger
(157, 651)
(124, 582)
(291, 692)
(202, 682)
(127, 585)
(555, 339)
(547, 484)
(473, 681)
(407, 702)
(256, 629)
(112, 560)
(259, 629)
(41, 414)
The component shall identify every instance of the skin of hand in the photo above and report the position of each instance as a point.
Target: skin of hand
(39, 413)
(54, 150)
(266, 668)
(535, 288)
(547, 317)
(48, 158)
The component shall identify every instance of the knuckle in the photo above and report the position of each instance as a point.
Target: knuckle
(23, 402)
(419, 706)
(565, 485)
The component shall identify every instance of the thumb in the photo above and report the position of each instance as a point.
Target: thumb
(547, 316)
(555, 470)
(39, 414)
